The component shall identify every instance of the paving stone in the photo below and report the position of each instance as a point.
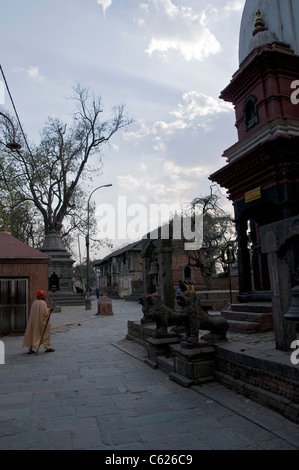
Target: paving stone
(94, 392)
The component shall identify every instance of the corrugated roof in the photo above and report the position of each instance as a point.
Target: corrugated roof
(12, 248)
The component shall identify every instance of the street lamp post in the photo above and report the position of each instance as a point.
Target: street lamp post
(87, 294)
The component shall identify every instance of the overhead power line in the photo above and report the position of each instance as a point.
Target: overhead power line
(15, 110)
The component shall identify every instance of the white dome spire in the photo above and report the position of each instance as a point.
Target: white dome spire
(281, 21)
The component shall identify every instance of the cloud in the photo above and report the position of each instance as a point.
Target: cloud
(176, 171)
(143, 167)
(196, 110)
(105, 4)
(176, 28)
(212, 15)
(235, 5)
(143, 187)
(172, 183)
(196, 105)
(32, 73)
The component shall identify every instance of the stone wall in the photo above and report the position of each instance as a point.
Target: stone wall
(275, 385)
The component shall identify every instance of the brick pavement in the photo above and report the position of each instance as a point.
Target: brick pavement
(95, 392)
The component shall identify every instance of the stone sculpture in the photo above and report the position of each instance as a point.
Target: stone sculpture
(197, 318)
(154, 310)
(192, 317)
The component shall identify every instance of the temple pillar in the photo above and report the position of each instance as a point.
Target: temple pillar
(244, 263)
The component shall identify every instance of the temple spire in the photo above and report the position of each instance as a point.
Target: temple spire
(259, 20)
(277, 17)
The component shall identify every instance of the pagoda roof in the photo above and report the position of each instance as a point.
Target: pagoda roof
(12, 248)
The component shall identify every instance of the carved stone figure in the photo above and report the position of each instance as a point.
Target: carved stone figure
(195, 318)
(190, 304)
(154, 309)
(192, 317)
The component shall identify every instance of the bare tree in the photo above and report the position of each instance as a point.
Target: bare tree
(218, 233)
(48, 176)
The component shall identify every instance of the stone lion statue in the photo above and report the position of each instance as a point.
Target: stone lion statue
(189, 317)
(192, 317)
(197, 318)
(155, 310)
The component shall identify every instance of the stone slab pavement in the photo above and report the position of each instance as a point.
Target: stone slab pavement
(95, 392)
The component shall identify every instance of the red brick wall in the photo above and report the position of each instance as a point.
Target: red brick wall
(179, 263)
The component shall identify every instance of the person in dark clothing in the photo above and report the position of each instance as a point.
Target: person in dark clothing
(182, 286)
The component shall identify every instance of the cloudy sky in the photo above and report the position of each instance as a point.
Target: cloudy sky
(165, 60)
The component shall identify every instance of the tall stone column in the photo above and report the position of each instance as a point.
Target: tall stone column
(165, 274)
(161, 250)
(277, 240)
(148, 282)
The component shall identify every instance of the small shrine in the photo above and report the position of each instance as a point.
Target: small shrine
(23, 271)
(60, 274)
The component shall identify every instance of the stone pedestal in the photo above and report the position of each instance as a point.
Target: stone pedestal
(61, 264)
(60, 272)
(104, 306)
(160, 346)
(193, 365)
(140, 333)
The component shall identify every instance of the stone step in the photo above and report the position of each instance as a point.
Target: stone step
(216, 299)
(261, 307)
(243, 326)
(69, 303)
(254, 317)
(134, 297)
(216, 294)
(67, 299)
(256, 296)
(216, 304)
(249, 317)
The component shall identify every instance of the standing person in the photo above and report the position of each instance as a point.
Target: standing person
(186, 285)
(97, 293)
(183, 286)
(36, 331)
(190, 286)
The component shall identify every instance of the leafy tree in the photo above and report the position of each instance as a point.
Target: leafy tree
(47, 178)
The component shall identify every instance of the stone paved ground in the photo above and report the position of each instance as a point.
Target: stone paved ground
(96, 393)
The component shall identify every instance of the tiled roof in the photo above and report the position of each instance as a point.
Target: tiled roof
(12, 248)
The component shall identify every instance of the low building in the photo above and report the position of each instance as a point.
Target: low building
(23, 271)
(120, 271)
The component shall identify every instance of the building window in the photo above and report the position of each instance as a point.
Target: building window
(187, 273)
(250, 112)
